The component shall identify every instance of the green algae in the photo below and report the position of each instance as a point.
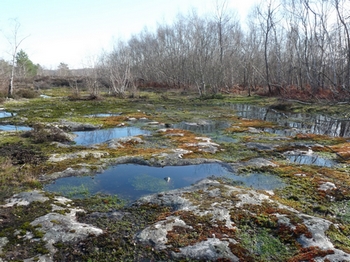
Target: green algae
(146, 182)
(100, 203)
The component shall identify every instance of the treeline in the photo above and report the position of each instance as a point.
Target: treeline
(299, 45)
(295, 48)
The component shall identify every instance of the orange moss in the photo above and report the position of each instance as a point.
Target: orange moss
(185, 140)
(310, 253)
(241, 253)
(116, 120)
(316, 137)
(201, 229)
(244, 124)
(342, 150)
(130, 149)
(255, 123)
(333, 174)
(291, 170)
(113, 120)
(181, 136)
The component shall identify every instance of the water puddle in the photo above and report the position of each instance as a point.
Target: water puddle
(4, 114)
(315, 160)
(296, 122)
(14, 128)
(45, 96)
(102, 135)
(103, 115)
(203, 127)
(131, 181)
(212, 129)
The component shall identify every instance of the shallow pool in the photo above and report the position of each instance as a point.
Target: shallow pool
(4, 114)
(14, 128)
(102, 135)
(310, 160)
(131, 181)
(296, 122)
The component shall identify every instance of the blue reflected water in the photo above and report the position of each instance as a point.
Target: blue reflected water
(131, 181)
(103, 115)
(13, 128)
(310, 160)
(6, 114)
(102, 135)
(296, 122)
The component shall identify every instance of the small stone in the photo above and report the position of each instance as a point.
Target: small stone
(300, 175)
(327, 186)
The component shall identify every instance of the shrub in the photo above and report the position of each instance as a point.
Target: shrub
(212, 96)
(40, 134)
(26, 93)
(21, 154)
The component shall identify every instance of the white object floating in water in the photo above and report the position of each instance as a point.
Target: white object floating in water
(167, 179)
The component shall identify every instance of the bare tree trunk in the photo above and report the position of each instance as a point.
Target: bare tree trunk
(15, 43)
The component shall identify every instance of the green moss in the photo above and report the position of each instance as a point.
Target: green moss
(338, 238)
(117, 243)
(100, 203)
(263, 245)
(235, 152)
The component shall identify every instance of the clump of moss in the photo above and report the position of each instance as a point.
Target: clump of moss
(40, 134)
(340, 237)
(16, 226)
(100, 203)
(21, 154)
(262, 245)
(26, 93)
(202, 228)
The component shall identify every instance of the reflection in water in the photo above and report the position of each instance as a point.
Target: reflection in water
(14, 128)
(203, 127)
(296, 122)
(310, 160)
(130, 181)
(6, 114)
(103, 115)
(102, 135)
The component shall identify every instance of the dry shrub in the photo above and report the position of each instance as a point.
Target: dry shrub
(307, 93)
(26, 93)
(20, 154)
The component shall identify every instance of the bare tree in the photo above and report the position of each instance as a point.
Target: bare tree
(268, 24)
(115, 69)
(90, 73)
(63, 70)
(15, 41)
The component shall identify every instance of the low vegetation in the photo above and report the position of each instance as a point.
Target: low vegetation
(26, 156)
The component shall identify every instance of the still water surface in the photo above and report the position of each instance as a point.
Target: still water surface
(296, 122)
(6, 114)
(102, 135)
(131, 181)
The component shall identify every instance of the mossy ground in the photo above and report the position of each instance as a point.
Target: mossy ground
(20, 171)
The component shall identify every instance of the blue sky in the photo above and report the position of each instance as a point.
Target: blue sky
(77, 31)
